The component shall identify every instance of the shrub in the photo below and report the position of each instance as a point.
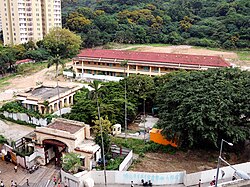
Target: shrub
(113, 164)
(2, 139)
(139, 147)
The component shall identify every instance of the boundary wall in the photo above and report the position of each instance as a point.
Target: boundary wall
(161, 179)
(126, 162)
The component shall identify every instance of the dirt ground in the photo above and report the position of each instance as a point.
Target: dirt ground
(231, 57)
(21, 83)
(186, 49)
(191, 161)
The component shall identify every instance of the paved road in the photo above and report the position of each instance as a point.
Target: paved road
(39, 178)
(13, 131)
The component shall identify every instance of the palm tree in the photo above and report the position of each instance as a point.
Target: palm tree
(95, 94)
(125, 64)
(56, 60)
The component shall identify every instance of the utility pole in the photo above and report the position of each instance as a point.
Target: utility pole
(125, 96)
(144, 120)
(58, 93)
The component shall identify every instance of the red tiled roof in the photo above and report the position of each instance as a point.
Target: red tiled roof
(201, 60)
(24, 61)
(65, 126)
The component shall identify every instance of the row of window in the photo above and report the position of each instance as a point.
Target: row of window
(144, 68)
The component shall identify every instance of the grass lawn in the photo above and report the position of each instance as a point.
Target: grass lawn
(27, 69)
(4, 81)
(243, 55)
(121, 46)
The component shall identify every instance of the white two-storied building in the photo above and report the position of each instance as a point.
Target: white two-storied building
(24, 20)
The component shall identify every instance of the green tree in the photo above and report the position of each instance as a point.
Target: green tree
(95, 94)
(71, 162)
(106, 129)
(140, 88)
(206, 106)
(8, 59)
(83, 109)
(77, 22)
(62, 42)
(37, 55)
(186, 23)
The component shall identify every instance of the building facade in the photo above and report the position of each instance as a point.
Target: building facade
(0, 21)
(98, 63)
(47, 99)
(64, 136)
(24, 20)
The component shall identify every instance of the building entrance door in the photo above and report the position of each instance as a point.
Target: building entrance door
(53, 151)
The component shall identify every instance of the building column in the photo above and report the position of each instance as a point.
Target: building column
(136, 68)
(67, 101)
(82, 69)
(72, 100)
(63, 104)
(159, 71)
(39, 108)
(150, 70)
(127, 70)
(50, 109)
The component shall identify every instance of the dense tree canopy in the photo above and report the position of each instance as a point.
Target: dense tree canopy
(212, 23)
(112, 101)
(206, 106)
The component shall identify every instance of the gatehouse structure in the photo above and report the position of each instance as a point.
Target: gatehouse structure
(63, 136)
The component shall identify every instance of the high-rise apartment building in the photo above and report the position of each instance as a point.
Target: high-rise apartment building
(24, 20)
(0, 21)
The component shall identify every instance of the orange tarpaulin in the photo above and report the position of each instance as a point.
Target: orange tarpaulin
(156, 136)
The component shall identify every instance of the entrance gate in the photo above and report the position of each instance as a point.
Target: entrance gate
(53, 150)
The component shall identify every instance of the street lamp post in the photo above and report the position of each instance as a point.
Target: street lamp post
(240, 173)
(219, 159)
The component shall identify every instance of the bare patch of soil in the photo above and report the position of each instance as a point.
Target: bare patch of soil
(185, 49)
(133, 127)
(21, 83)
(191, 161)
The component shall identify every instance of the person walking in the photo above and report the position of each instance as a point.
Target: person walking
(222, 174)
(27, 182)
(132, 184)
(15, 168)
(54, 180)
(199, 184)
(12, 183)
(1, 184)
(15, 185)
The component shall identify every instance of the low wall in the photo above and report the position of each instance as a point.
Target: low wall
(25, 118)
(68, 74)
(208, 176)
(76, 180)
(63, 111)
(126, 163)
(125, 177)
